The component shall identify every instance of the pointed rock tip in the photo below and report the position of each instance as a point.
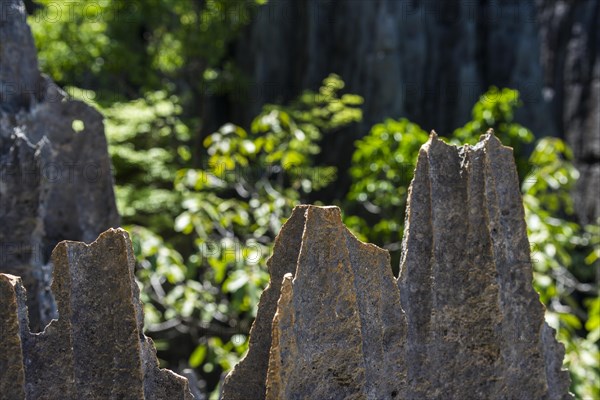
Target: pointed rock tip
(436, 142)
(330, 213)
(490, 139)
(433, 137)
(104, 235)
(488, 135)
(318, 217)
(11, 279)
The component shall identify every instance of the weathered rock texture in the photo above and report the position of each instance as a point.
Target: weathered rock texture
(336, 328)
(55, 182)
(476, 326)
(428, 61)
(96, 349)
(462, 320)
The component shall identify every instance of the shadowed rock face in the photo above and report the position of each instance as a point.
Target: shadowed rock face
(20, 80)
(12, 377)
(96, 349)
(429, 61)
(462, 320)
(248, 378)
(55, 182)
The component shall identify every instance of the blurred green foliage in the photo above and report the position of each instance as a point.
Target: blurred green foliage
(203, 210)
(382, 168)
(235, 205)
(202, 236)
(123, 48)
(564, 257)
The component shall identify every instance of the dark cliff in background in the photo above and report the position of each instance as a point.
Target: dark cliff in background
(429, 61)
(55, 180)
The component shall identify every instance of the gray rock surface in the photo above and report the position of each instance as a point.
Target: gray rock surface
(339, 330)
(248, 378)
(462, 320)
(55, 177)
(476, 326)
(96, 348)
(20, 82)
(12, 373)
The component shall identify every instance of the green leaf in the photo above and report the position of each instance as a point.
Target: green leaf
(198, 356)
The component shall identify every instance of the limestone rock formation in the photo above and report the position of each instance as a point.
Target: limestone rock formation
(462, 320)
(248, 378)
(12, 377)
(476, 326)
(55, 177)
(96, 348)
(337, 343)
(339, 330)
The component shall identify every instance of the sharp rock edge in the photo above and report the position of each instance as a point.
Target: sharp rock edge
(96, 349)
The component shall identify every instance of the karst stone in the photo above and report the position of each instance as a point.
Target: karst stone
(55, 179)
(476, 325)
(461, 321)
(96, 349)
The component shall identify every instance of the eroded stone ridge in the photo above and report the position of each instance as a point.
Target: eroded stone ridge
(12, 374)
(96, 349)
(248, 378)
(476, 325)
(334, 326)
(55, 178)
(461, 321)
